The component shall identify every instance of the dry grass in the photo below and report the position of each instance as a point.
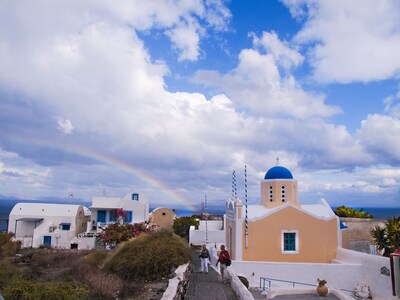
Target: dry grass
(101, 284)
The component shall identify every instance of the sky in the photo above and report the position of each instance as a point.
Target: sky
(168, 98)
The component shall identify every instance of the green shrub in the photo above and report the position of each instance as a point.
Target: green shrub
(150, 256)
(348, 212)
(20, 288)
(7, 246)
(182, 225)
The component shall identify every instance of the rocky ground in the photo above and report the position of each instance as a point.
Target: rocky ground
(151, 291)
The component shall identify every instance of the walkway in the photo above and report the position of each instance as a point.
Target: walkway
(204, 286)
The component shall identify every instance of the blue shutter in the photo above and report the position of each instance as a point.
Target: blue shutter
(101, 216)
(113, 214)
(128, 217)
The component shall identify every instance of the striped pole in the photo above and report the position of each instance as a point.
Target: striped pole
(234, 183)
(205, 207)
(246, 232)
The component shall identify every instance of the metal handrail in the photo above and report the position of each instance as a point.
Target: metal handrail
(264, 279)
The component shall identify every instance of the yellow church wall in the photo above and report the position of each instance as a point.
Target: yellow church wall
(317, 239)
(276, 200)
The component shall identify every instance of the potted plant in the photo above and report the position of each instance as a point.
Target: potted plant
(322, 289)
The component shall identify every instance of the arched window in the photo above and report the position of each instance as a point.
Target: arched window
(271, 194)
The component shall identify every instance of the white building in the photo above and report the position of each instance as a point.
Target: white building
(210, 232)
(54, 225)
(104, 210)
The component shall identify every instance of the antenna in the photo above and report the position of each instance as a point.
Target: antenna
(277, 160)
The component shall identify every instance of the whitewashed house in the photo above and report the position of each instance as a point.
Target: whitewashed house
(104, 210)
(55, 225)
(209, 232)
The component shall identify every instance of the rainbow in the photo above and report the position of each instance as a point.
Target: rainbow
(111, 161)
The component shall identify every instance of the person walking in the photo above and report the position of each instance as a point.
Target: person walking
(223, 258)
(204, 258)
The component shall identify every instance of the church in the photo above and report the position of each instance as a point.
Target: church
(279, 228)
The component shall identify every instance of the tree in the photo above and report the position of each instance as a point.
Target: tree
(387, 239)
(348, 212)
(182, 225)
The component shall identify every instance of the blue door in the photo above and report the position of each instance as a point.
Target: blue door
(101, 216)
(47, 240)
(128, 217)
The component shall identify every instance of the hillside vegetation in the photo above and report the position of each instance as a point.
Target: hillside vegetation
(123, 273)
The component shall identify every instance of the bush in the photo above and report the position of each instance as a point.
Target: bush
(244, 281)
(150, 256)
(348, 212)
(21, 288)
(7, 246)
(96, 258)
(117, 233)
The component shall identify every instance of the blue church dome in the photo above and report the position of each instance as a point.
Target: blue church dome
(278, 172)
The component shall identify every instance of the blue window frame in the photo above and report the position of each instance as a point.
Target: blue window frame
(128, 217)
(65, 226)
(289, 241)
(113, 215)
(135, 196)
(101, 216)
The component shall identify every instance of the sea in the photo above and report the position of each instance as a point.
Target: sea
(6, 206)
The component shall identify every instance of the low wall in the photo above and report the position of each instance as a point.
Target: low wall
(177, 285)
(238, 287)
(342, 276)
(351, 267)
(380, 284)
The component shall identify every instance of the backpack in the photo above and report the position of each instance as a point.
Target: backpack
(228, 262)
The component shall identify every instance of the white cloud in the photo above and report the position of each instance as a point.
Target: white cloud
(392, 105)
(64, 125)
(256, 84)
(351, 40)
(380, 134)
(282, 53)
(185, 37)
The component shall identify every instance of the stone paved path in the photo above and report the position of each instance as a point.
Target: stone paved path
(204, 286)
